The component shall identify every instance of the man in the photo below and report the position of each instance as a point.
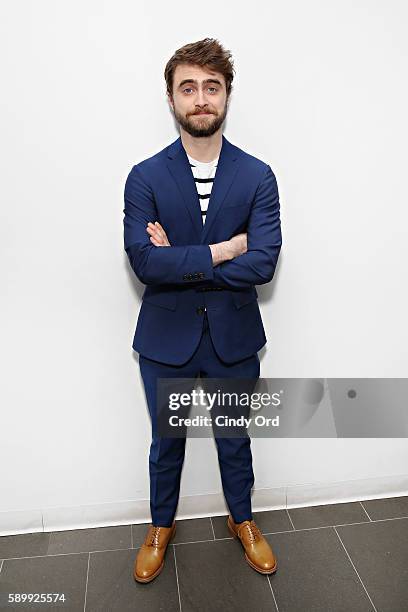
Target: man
(201, 229)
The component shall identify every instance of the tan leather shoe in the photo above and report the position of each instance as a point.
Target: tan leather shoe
(258, 553)
(150, 558)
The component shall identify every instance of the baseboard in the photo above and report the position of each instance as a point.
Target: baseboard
(199, 506)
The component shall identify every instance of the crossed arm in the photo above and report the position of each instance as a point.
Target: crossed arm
(220, 251)
(245, 260)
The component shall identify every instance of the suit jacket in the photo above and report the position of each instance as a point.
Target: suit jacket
(181, 280)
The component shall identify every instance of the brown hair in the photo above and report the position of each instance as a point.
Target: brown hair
(207, 52)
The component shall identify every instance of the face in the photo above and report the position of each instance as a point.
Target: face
(199, 100)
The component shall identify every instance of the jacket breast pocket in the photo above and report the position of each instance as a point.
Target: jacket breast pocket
(162, 299)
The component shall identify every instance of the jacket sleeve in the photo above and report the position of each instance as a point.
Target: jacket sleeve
(264, 240)
(158, 265)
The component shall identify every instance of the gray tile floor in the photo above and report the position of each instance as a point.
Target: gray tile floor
(341, 557)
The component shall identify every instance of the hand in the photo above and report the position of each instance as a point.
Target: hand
(237, 245)
(157, 234)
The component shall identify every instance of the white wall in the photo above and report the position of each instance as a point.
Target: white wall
(321, 95)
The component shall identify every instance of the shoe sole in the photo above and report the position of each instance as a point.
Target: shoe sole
(159, 569)
(255, 567)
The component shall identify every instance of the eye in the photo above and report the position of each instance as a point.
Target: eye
(188, 88)
(213, 88)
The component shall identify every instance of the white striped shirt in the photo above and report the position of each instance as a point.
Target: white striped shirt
(203, 173)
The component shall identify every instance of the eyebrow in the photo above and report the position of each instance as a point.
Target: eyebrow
(196, 82)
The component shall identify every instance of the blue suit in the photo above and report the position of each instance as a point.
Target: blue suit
(244, 197)
(197, 319)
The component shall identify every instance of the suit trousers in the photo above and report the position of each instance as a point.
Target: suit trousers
(166, 455)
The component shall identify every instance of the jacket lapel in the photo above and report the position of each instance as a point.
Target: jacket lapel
(179, 167)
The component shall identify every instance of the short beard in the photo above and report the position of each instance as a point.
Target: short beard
(193, 128)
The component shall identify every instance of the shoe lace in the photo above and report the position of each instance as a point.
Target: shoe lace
(253, 531)
(154, 536)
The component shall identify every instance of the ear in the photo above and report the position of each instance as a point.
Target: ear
(170, 100)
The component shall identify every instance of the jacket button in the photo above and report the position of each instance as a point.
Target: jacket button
(200, 310)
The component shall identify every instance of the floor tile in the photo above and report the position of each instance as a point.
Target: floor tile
(219, 524)
(62, 574)
(111, 585)
(325, 516)
(379, 552)
(273, 521)
(215, 576)
(139, 533)
(386, 508)
(86, 540)
(315, 574)
(193, 530)
(24, 545)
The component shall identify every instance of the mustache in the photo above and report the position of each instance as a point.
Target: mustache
(200, 112)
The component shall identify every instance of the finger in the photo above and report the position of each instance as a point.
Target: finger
(153, 232)
(155, 242)
(157, 226)
(161, 229)
(152, 228)
(157, 234)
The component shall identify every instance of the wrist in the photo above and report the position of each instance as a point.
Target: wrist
(221, 251)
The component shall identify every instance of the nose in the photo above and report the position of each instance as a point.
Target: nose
(201, 99)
